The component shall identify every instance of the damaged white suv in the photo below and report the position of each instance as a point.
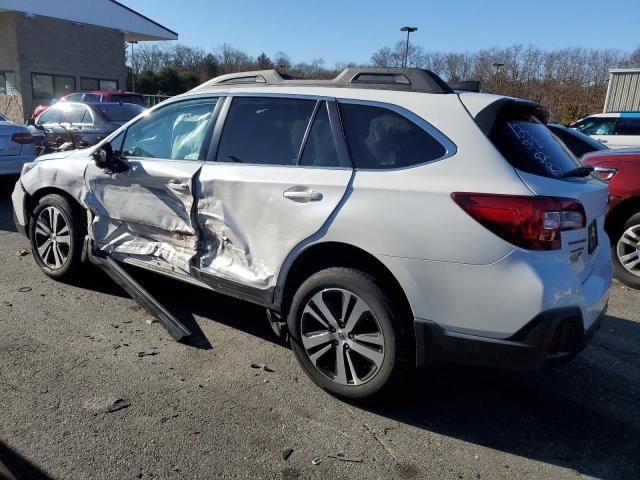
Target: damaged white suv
(387, 219)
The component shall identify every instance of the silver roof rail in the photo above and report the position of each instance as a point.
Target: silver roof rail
(405, 79)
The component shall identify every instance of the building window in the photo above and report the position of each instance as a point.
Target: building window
(7, 83)
(52, 86)
(89, 84)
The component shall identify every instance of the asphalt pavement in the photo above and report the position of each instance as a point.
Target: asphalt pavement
(235, 403)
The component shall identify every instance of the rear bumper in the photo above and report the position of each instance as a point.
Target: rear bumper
(552, 337)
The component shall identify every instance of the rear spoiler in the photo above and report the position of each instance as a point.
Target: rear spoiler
(485, 115)
(468, 86)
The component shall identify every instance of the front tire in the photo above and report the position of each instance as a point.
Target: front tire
(345, 333)
(56, 232)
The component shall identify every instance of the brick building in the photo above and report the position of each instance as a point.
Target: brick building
(49, 48)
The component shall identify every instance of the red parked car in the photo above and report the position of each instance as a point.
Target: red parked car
(621, 168)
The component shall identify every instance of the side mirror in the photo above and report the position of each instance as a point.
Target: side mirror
(104, 157)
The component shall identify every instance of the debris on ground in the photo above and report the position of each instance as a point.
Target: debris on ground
(23, 253)
(118, 404)
(342, 458)
(286, 453)
(151, 321)
(260, 366)
(146, 354)
(316, 461)
(24, 289)
(7, 304)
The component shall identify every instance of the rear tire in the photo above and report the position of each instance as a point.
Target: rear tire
(346, 334)
(56, 233)
(625, 251)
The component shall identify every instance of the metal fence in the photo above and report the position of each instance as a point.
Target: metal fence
(153, 100)
(623, 91)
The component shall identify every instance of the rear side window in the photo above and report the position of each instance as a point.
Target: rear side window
(596, 125)
(92, 97)
(379, 138)
(628, 126)
(528, 145)
(266, 131)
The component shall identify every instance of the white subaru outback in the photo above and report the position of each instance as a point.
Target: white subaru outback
(388, 220)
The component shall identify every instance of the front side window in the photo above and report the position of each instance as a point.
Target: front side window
(596, 125)
(265, 131)
(91, 97)
(379, 138)
(628, 126)
(175, 132)
(74, 97)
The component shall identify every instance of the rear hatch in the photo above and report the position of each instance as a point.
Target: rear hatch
(549, 169)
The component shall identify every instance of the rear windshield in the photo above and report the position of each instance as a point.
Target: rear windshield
(528, 145)
(122, 112)
(136, 99)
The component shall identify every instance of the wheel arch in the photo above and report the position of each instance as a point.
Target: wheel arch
(620, 214)
(323, 255)
(31, 200)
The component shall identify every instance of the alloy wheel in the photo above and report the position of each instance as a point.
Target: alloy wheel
(342, 337)
(52, 237)
(628, 250)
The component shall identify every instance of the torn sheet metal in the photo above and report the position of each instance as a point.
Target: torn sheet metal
(144, 212)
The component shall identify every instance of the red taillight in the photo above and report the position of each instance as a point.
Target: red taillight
(533, 223)
(22, 138)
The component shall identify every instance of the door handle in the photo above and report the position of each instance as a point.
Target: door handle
(302, 194)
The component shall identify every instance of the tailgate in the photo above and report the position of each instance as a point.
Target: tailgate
(580, 246)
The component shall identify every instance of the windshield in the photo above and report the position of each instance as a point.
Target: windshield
(529, 145)
(119, 112)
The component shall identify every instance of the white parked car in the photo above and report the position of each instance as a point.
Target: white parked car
(390, 221)
(615, 130)
(16, 147)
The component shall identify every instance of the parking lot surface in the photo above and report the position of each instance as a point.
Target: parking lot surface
(235, 402)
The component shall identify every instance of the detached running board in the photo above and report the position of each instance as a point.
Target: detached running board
(118, 274)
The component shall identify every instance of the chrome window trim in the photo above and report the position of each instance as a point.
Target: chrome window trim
(450, 148)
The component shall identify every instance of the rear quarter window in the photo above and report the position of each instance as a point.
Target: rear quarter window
(528, 145)
(379, 138)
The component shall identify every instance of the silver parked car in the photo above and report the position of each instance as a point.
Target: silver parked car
(385, 218)
(16, 147)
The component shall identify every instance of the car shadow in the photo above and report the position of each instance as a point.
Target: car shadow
(18, 466)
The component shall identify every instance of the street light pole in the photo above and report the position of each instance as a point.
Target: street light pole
(409, 30)
(498, 65)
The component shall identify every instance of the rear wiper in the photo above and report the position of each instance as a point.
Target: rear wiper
(578, 172)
